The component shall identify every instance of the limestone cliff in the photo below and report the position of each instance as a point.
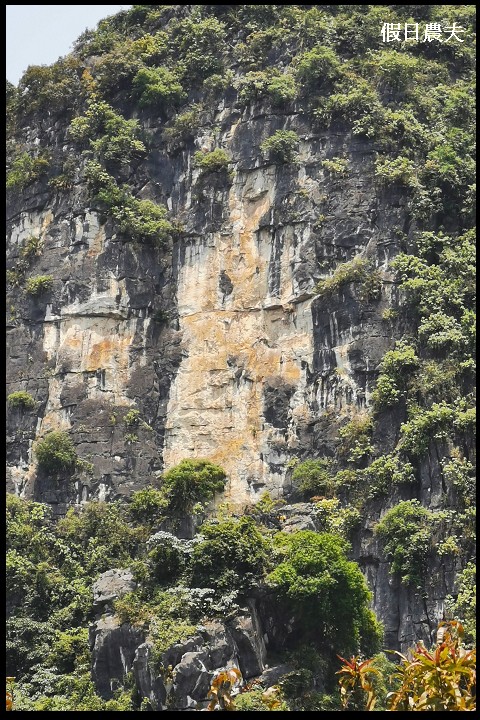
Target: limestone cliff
(219, 337)
(246, 361)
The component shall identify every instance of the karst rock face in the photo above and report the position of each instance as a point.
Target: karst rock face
(217, 339)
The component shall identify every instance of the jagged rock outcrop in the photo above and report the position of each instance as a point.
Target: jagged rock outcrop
(113, 646)
(181, 679)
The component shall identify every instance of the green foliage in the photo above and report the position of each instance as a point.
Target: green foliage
(459, 473)
(165, 632)
(256, 700)
(427, 425)
(442, 679)
(53, 88)
(116, 69)
(255, 51)
(147, 505)
(67, 648)
(216, 84)
(191, 482)
(167, 561)
(355, 102)
(355, 682)
(215, 161)
(157, 87)
(132, 609)
(337, 519)
(76, 691)
(336, 165)
(25, 169)
(45, 581)
(97, 42)
(109, 135)
(28, 643)
(198, 44)
(143, 220)
(314, 477)
(233, 554)
(66, 179)
(399, 170)
(326, 589)
(384, 473)
(395, 371)
(397, 71)
(21, 399)
(406, 531)
(355, 437)
(280, 89)
(266, 508)
(39, 284)
(316, 69)
(132, 418)
(184, 126)
(29, 249)
(358, 271)
(56, 452)
(103, 536)
(463, 606)
(281, 146)
(11, 107)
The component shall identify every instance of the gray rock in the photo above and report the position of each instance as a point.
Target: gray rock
(110, 586)
(271, 676)
(113, 652)
(191, 679)
(149, 684)
(220, 645)
(248, 637)
(298, 516)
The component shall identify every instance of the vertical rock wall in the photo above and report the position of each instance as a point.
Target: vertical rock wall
(219, 341)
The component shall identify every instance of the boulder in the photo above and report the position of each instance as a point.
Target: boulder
(110, 586)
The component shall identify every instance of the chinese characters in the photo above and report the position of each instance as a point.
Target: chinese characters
(397, 32)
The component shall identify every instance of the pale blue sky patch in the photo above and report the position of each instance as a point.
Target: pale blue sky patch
(40, 34)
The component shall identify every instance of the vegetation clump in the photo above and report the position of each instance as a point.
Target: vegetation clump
(212, 162)
(327, 589)
(25, 169)
(314, 477)
(143, 220)
(357, 271)
(39, 284)
(157, 87)
(281, 146)
(441, 678)
(191, 482)
(56, 452)
(233, 554)
(21, 399)
(407, 533)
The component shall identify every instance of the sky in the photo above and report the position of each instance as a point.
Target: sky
(40, 34)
